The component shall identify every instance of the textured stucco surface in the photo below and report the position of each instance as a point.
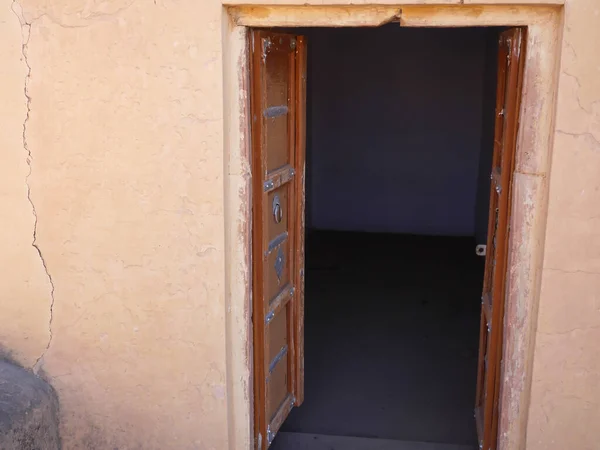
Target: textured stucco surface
(565, 398)
(25, 288)
(125, 131)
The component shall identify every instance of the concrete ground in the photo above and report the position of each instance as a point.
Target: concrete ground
(391, 339)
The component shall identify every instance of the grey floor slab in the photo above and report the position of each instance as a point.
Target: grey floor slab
(391, 338)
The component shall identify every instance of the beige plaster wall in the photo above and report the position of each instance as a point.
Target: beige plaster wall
(126, 135)
(127, 291)
(25, 290)
(565, 398)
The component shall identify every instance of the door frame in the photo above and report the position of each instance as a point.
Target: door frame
(529, 198)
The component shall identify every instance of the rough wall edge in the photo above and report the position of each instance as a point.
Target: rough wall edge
(451, 14)
(237, 226)
(528, 225)
(313, 16)
(547, 135)
(476, 15)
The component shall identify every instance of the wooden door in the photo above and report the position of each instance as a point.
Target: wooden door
(510, 67)
(278, 80)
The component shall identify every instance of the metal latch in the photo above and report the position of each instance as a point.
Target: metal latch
(277, 211)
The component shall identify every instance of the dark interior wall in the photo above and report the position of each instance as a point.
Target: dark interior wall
(394, 129)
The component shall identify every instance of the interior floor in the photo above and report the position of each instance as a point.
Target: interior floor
(391, 340)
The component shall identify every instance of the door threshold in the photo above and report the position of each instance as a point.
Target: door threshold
(308, 441)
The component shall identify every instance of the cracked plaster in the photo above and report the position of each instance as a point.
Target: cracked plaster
(112, 184)
(565, 398)
(26, 32)
(26, 293)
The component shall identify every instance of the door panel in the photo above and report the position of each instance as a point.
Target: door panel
(278, 333)
(277, 75)
(277, 386)
(276, 133)
(277, 273)
(510, 67)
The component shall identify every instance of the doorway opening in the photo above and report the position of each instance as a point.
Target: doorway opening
(403, 129)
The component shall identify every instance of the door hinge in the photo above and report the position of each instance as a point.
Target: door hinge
(270, 435)
(269, 316)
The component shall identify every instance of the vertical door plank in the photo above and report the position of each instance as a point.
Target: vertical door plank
(277, 109)
(510, 67)
(300, 224)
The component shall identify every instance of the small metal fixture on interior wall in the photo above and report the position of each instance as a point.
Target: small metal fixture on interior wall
(480, 250)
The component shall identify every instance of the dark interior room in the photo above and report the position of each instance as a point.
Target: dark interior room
(399, 141)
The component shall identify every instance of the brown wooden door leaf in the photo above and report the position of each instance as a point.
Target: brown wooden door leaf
(510, 67)
(278, 80)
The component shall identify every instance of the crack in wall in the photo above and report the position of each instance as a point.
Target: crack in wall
(26, 33)
(583, 134)
(67, 21)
